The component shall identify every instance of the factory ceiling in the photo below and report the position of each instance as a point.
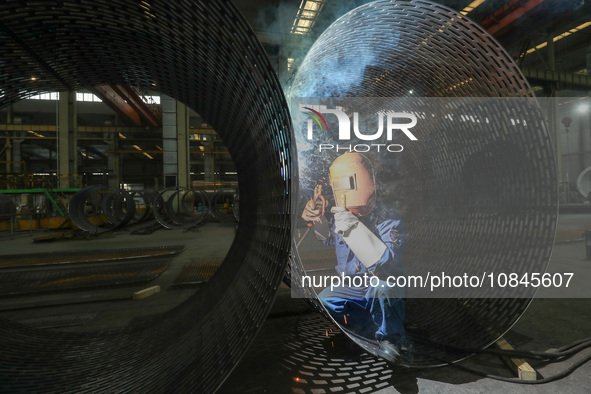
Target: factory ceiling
(528, 29)
(523, 27)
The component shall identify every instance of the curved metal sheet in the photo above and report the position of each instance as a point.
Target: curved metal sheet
(113, 204)
(78, 207)
(174, 208)
(217, 201)
(466, 197)
(204, 54)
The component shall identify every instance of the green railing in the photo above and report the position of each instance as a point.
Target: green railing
(47, 194)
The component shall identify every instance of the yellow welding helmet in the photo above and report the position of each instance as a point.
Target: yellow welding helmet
(353, 183)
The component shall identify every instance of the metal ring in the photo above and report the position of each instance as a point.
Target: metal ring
(77, 208)
(401, 48)
(214, 205)
(204, 54)
(113, 208)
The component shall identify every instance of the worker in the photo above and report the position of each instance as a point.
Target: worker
(369, 240)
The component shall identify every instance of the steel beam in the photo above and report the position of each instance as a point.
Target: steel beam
(508, 14)
(67, 154)
(81, 129)
(182, 140)
(135, 101)
(563, 78)
(114, 100)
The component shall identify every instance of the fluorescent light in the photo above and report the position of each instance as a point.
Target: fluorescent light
(35, 134)
(304, 23)
(470, 7)
(311, 5)
(306, 16)
(560, 37)
(144, 153)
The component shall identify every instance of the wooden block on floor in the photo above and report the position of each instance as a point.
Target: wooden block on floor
(139, 295)
(520, 366)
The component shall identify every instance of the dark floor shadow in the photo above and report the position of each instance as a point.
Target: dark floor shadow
(300, 351)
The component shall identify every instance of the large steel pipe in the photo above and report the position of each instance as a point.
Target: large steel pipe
(177, 208)
(475, 196)
(84, 204)
(205, 55)
(119, 208)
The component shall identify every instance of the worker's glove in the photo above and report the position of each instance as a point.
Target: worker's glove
(344, 220)
(312, 212)
(368, 248)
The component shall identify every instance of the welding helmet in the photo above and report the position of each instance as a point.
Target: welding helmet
(353, 183)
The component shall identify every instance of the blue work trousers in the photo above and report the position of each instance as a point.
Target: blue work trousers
(368, 311)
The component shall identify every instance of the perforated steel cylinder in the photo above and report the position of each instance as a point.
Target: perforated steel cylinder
(205, 55)
(475, 195)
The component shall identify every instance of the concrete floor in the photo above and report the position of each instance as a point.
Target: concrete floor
(297, 350)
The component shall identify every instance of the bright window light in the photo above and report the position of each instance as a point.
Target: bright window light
(87, 97)
(151, 99)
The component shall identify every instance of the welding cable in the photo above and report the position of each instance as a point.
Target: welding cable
(564, 373)
(561, 353)
(573, 344)
(548, 357)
